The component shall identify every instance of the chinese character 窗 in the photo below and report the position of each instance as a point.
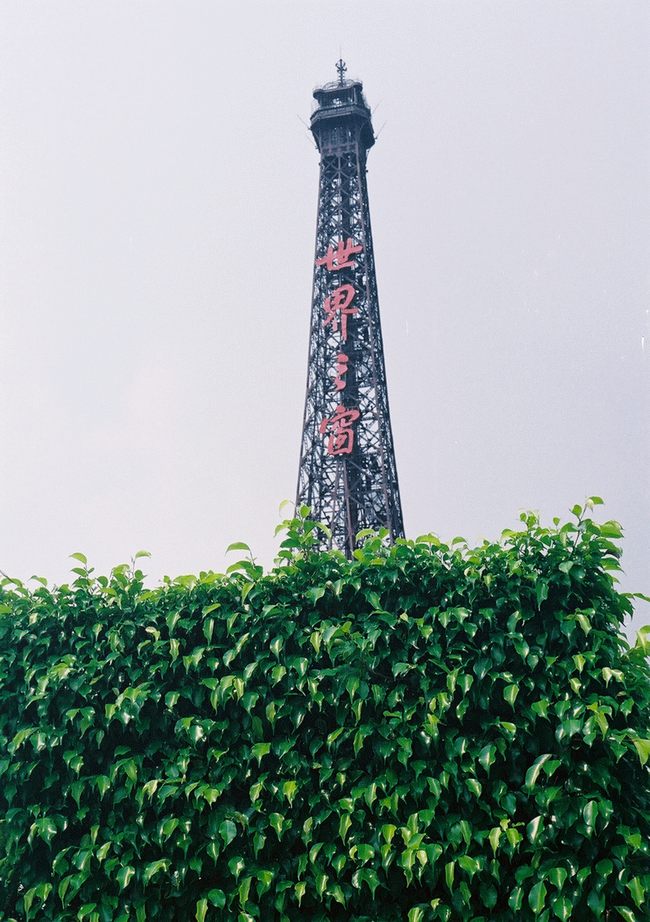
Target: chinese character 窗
(341, 441)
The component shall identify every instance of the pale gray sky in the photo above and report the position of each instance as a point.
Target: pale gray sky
(157, 231)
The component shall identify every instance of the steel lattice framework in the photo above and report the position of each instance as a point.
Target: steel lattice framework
(348, 475)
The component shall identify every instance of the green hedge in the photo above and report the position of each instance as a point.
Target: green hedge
(427, 732)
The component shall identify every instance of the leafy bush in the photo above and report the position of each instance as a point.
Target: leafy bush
(427, 732)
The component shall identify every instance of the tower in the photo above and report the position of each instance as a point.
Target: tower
(347, 474)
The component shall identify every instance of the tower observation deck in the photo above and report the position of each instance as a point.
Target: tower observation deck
(347, 474)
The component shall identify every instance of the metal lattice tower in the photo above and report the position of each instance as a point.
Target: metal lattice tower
(348, 475)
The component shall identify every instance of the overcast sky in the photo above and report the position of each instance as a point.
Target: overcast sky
(157, 233)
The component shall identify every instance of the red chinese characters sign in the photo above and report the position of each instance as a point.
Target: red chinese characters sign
(338, 306)
(341, 440)
(337, 309)
(341, 367)
(341, 258)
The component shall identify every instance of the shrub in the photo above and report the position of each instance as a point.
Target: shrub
(426, 732)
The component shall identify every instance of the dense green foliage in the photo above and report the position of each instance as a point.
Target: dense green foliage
(428, 732)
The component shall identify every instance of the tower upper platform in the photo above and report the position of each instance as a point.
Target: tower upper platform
(342, 117)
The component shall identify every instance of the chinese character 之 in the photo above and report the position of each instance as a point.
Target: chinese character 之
(341, 368)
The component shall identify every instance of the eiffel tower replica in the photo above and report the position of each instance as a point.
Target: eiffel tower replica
(347, 475)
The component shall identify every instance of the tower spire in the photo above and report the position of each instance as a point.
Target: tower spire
(347, 473)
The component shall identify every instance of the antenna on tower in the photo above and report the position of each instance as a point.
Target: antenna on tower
(341, 68)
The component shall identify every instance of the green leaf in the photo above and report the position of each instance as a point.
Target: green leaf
(626, 913)
(562, 907)
(28, 899)
(534, 828)
(590, 812)
(369, 877)
(277, 822)
(487, 756)
(605, 868)
(516, 899)
(124, 875)
(537, 897)
(244, 890)
(289, 789)
(643, 749)
(236, 866)
(533, 772)
(333, 736)
(611, 529)
(365, 852)
(469, 865)
(337, 894)
(540, 707)
(541, 590)
(227, 831)
(217, 898)
(637, 890)
(153, 868)
(449, 874)
(557, 876)
(300, 889)
(321, 882)
(278, 673)
(259, 750)
(513, 836)
(249, 700)
(45, 827)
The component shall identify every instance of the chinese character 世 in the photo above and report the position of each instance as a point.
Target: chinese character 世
(340, 300)
(341, 258)
(342, 438)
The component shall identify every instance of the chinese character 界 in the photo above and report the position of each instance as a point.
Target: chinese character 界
(341, 258)
(340, 300)
(341, 440)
